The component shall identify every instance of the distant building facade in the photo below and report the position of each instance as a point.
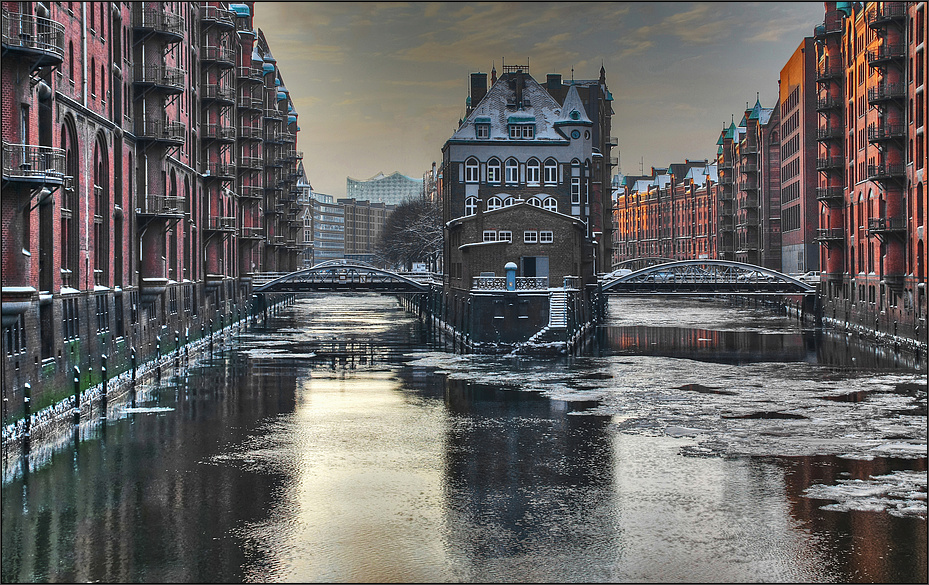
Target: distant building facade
(328, 229)
(392, 189)
(364, 223)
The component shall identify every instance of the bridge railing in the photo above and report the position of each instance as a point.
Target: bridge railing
(499, 283)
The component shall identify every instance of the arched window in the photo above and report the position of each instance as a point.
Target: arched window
(535, 202)
(471, 170)
(575, 182)
(470, 205)
(101, 226)
(550, 203)
(493, 171)
(494, 203)
(533, 172)
(512, 171)
(70, 209)
(551, 172)
(509, 201)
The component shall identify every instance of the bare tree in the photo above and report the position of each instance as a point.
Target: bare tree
(412, 233)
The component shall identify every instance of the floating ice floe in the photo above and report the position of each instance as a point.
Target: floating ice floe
(902, 493)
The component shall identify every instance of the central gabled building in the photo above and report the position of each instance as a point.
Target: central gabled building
(519, 176)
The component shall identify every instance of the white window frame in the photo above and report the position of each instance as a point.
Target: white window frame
(490, 236)
(504, 236)
(493, 171)
(533, 172)
(472, 171)
(575, 190)
(546, 237)
(535, 202)
(482, 131)
(509, 202)
(494, 203)
(471, 206)
(551, 172)
(550, 204)
(530, 237)
(511, 171)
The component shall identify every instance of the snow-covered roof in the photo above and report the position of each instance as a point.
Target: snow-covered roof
(539, 107)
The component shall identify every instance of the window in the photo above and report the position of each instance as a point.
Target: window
(531, 237)
(512, 171)
(522, 130)
(482, 130)
(575, 190)
(69, 319)
(16, 336)
(470, 206)
(494, 203)
(546, 237)
(505, 236)
(550, 203)
(509, 201)
(471, 168)
(533, 172)
(551, 172)
(490, 236)
(493, 171)
(535, 202)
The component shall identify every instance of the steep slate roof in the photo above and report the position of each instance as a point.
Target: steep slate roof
(543, 109)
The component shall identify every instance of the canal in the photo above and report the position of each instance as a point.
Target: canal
(696, 441)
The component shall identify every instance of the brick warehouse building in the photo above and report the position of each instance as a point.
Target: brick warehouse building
(148, 169)
(871, 78)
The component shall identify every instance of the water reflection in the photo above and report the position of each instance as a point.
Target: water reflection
(341, 444)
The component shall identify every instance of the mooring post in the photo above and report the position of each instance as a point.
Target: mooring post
(103, 376)
(177, 349)
(76, 411)
(132, 362)
(211, 338)
(27, 413)
(158, 357)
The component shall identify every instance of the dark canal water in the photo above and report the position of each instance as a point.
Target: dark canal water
(696, 442)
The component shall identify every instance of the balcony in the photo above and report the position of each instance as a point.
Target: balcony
(219, 170)
(220, 224)
(887, 226)
(249, 103)
(828, 133)
(215, 16)
(885, 54)
(831, 196)
(250, 74)
(221, 56)
(167, 79)
(887, 172)
(218, 132)
(37, 165)
(833, 27)
(750, 202)
(156, 22)
(214, 92)
(290, 137)
(725, 194)
(829, 103)
(883, 132)
(273, 114)
(255, 163)
(886, 92)
(835, 163)
(748, 168)
(161, 206)
(830, 73)
(160, 130)
(748, 149)
(251, 233)
(251, 192)
(885, 13)
(38, 39)
(831, 236)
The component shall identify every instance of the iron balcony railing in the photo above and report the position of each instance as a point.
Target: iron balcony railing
(251, 162)
(161, 205)
(218, 92)
(250, 132)
(885, 225)
(829, 133)
(886, 91)
(251, 233)
(219, 169)
(27, 162)
(886, 171)
(830, 235)
(218, 16)
(161, 76)
(826, 73)
(249, 102)
(499, 283)
(219, 54)
(830, 194)
(828, 103)
(221, 224)
(885, 12)
(886, 53)
(220, 132)
(160, 130)
(882, 131)
(831, 163)
(160, 22)
(251, 191)
(249, 74)
(834, 26)
(40, 36)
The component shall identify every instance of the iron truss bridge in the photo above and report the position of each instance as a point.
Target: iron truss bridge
(704, 277)
(340, 275)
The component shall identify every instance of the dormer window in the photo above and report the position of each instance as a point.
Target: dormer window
(482, 131)
(522, 130)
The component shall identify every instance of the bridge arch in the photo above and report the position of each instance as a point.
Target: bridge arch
(349, 276)
(706, 277)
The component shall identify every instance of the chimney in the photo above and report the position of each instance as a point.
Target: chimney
(478, 88)
(552, 82)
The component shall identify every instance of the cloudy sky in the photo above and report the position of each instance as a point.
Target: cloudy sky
(380, 87)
